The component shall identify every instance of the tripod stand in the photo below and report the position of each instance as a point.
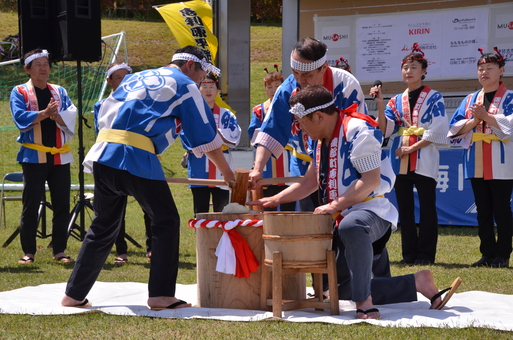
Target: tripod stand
(75, 230)
(41, 217)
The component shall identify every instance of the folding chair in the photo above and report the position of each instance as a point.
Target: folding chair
(41, 216)
(13, 177)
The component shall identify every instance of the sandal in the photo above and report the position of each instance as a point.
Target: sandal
(312, 296)
(171, 306)
(26, 260)
(120, 261)
(63, 259)
(84, 304)
(450, 291)
(368, 311)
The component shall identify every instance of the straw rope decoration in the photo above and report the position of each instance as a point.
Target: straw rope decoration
(234, 256)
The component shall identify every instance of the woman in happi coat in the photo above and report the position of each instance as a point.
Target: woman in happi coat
(275, 167)
(484, 120)
(202, 167)
(418, 121)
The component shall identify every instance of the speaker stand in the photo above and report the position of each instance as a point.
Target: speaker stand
(74, 229)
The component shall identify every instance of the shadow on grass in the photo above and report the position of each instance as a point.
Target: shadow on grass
(186, 265)
(450, 230)
(457, 231)
(27, 269)
(436, 264)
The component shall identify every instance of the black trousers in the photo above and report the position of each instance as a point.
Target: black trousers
(201, 199)
(59, 180)
(422, 245)
(112, 186)
(384, 289)
(493, 204)
(122, 246)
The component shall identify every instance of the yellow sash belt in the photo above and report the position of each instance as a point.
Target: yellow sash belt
(127, 138)
(51, 149)
(296, 154)
(335, 215)
(485, 137)
(412, 130)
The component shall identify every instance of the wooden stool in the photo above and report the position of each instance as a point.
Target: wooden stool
(278, 269)
(298, 242)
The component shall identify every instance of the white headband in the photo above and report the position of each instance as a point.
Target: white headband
(305, 67)
(205, 65)
(299, 111)
(114, 68)
(43, 53)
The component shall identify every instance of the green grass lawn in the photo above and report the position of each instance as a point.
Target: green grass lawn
(151, 45)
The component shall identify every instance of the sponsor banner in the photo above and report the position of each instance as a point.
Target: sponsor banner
(503, 26)
(382, 42)
(336, 36)
(449, 38)
(464, 33)
(502, 31)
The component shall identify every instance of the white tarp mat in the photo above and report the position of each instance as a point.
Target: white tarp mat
(474, 308)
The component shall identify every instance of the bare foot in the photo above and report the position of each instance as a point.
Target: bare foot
(166, 302)
(425, 284)
(366, 310)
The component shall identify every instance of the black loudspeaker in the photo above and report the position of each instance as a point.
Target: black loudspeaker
(37, 26)
(80, 27)
(68, 29)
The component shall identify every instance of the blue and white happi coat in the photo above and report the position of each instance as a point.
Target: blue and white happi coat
(160, 104)
(431, 116)
(494, 159)
(280, 130)
(24, 110)
(354, 149)
(228, 127)
(275, 167)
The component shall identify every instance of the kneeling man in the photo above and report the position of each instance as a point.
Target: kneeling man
(353, 174)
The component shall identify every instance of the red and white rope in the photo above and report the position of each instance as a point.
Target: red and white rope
(226, 225)
(239, 260)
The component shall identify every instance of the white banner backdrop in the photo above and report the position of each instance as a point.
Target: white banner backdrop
(374, 45)
(464, 32)
(382, 42)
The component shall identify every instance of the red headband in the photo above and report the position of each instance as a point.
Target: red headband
(276, 67)
(415, 49)
(209, 81)
(345, 62)
(501, 58)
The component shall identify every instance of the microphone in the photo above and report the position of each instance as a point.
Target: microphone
(376, 83)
